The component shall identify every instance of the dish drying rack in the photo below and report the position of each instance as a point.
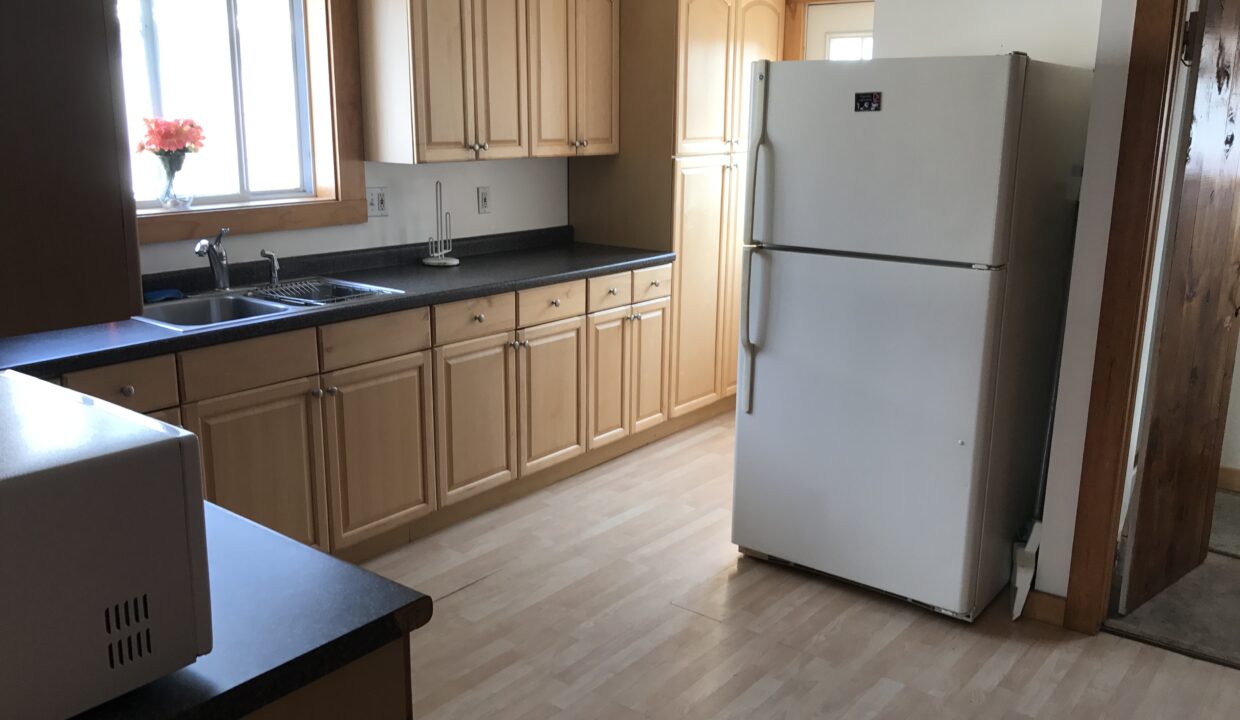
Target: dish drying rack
(441, 244)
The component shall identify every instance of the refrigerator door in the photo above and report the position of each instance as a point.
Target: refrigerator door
(927, 175)
(865, 451)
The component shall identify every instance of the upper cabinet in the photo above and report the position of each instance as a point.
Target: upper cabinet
(67, 199)
(453, 80)
(444, 80)
(574, 77)
(719, 42)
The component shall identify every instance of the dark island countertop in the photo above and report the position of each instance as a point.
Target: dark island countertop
(282, 615)
(488, 266)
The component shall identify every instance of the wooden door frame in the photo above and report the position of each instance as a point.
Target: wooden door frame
(794, 25)
(1144, 140)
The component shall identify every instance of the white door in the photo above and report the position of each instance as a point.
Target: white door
(865, 452)
(920, 174)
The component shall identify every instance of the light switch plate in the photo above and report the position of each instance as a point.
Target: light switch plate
(484, 200)
(376, 202)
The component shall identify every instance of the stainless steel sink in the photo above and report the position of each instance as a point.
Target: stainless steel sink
(209, 310)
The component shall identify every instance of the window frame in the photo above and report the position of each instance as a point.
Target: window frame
(857, 35)
(335, 165)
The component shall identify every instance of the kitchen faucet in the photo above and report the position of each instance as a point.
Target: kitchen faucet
(214, 251)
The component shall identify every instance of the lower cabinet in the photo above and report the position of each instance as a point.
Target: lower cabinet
(551, 393)
(262, 453)
(610, 368)
(380, 442)
(651, 358)
(475, 416)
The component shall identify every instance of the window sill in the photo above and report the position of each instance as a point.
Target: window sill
(158, 225)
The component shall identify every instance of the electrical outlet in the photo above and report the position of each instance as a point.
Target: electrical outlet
(484, 200)
(376, 202)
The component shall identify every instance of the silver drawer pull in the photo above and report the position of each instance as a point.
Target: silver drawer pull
(480, 318)
(655, 283)
(333, 390)
(555, 302)
(316, 393)
(614, 291)
(128, 390)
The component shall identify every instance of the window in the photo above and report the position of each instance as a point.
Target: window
(850, 46)
(238, 68)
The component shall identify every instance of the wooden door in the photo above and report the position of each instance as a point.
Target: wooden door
(68, 206)
(443, 82)
(704, 78)
(759, 31)
(730, 290)
(609, 404)
(553, 77)
(262, 456)
(380, 446)
(475, 416)
(1193, 355)
(651, 349)
(551, 393)
(500, 79)
(701, 218)
(598, 77)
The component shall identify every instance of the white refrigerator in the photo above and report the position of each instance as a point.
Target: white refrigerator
(908, 238)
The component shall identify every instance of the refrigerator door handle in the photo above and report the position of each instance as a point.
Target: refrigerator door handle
(751, 350)
(757, 135)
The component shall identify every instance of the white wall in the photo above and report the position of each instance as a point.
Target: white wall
(1062, 31)
(1085, 297)
(853, 17)
(525, 195)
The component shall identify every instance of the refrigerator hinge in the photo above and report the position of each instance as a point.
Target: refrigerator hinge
(984, 267)
(1188, 38)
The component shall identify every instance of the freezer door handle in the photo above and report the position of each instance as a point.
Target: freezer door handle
(751, 349)
(757, 135)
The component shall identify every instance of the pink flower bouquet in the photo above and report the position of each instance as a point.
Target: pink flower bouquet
(170, 140)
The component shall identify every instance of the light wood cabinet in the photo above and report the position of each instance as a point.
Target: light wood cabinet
(475, 416)
(262, 454)
(651, 358)
(733, 238)
(574, 77)
(704, 103)
(444, 80)
(703, 187)
(551, 393)
(758, 36)
(141, 385)
(610, 368)
(380, 446)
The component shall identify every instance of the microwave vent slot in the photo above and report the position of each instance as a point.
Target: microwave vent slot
(128, 639)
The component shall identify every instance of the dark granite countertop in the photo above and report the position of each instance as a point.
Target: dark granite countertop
(488, 266)
(282, 616)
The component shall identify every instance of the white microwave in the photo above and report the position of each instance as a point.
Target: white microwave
(103, 561)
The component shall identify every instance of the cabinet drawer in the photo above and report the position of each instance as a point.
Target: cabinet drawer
(651, 283)
(553, 302)
(172, 416)
(232, 367)
(141, 385)
(380, 337)
(479, 317)
(610, 291)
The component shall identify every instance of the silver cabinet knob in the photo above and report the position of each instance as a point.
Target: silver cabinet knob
(333, 390)
(316, 393)
(637, 316)
(514, 344)
(585, 143)
(613, 291)
(555, 302)
(486, 146)
(128, 390)
(480, 318)
(655, 283)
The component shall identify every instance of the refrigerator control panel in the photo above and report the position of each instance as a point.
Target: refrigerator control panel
(868, 102)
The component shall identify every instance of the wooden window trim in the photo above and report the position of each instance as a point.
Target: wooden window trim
(794, 25)
(336, 132)
(1131, 242)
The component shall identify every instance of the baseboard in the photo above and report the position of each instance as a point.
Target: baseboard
(521, 487)
(1045, 608)
(1229, 479)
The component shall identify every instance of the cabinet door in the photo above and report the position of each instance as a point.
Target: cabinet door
(610, 375)
(499, 78)
(733, 236)
(652, 329)
(551, 393)
(475, 416)
(553, 77)
(701, 205)
(443, 82)
(759, 31)
(380, 446)
(262, 456)
(703, 99)
(598, 77)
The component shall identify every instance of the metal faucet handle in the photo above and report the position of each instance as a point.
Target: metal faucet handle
(274, 263)
(203, 247)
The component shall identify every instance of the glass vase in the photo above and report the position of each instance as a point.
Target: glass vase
(169, 199)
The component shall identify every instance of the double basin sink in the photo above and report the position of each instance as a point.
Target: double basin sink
(240, 306)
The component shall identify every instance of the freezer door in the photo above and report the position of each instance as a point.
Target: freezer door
(926, 175)
(865, 451)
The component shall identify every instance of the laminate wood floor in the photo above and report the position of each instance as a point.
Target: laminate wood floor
(618, 594)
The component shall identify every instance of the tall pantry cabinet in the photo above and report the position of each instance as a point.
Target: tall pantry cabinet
(679, 183)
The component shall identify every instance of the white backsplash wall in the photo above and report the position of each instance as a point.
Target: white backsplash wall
(525, 195)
